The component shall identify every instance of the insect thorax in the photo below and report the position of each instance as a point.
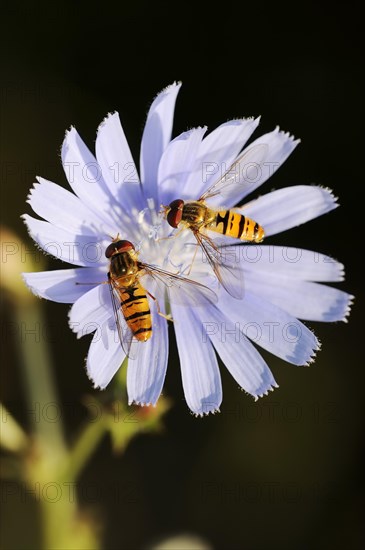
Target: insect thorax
(123, 265)
(195, 213)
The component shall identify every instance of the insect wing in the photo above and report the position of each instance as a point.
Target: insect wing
(125, 334)
(181, 290)
(228, 272)
(233, 180)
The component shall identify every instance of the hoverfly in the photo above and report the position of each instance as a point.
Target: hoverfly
(199, 218)
(130, 299)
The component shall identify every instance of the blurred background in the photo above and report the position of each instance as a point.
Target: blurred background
(285, 472)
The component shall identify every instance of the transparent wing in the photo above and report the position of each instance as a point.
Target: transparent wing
(244, 169)
(181, 290)
(125, 334)
(225, 266)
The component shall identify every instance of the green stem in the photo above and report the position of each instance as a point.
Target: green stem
(63, 526)
(85, 445)
(13, 437)
(50, 468)
(40, 388)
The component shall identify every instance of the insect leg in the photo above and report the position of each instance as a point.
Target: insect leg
(100, 283)
(171, 236)
(192, 262)
(167, 317)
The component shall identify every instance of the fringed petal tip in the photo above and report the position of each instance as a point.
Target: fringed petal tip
(65, 145)
(341, 271)
(36, 185)
(176, 84)
(105, 120)
(76, 328)
(96, 386)
(262, 393)
(350, 301)
(33, 188)
(185, 135)
(70, 130)
(313, 356)
(243, 120)
(286, 135)
(166, 91)
(26, 219)
(142, 403)
(331, 196)
(29, 286)
(205, 413)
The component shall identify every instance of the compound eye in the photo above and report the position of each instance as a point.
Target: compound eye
(118, 247)
(175, 214)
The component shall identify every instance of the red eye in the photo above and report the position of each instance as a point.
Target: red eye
(175, 214)
(118, 247)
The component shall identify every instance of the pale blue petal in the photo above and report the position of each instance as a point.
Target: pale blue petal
(240, 357)
(296, 263)
(61, 285)
(177, 162)
(199, 367)
(117, 164)
(91, 311)
(146, 373)
(305, 300)
(62, 208)
(85, 178)
(256, 167)
(84, 250)
(156, 136)
(286, 208)
(105, 356)
(271, 328)
(216, 153)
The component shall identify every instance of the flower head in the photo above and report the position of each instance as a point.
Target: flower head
(110, 199)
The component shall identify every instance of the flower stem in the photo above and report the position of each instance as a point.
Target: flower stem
(13, 437)
(40, 389)
(85, 445)
(63, 526)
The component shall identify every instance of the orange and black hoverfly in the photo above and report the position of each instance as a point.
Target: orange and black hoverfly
(130, 298)
(200, 218)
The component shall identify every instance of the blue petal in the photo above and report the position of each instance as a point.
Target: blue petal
(84, 250)
(146, 373)
(85, 178)
(289, 207)
(303, 299)
(271, 328)
(117, 164)
(199, 367)
(295, 263)
(62, 285)
(280, 146)
(156, 136)
(216, 153)
(240, 357)
(177, 162)
(91, 311)
(62, 208)
(254, 166)
(105, 356)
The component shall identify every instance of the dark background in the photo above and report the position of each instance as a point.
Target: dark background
(284, 472)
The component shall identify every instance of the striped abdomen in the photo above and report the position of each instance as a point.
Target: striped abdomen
(136, 311)
(233, 224)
